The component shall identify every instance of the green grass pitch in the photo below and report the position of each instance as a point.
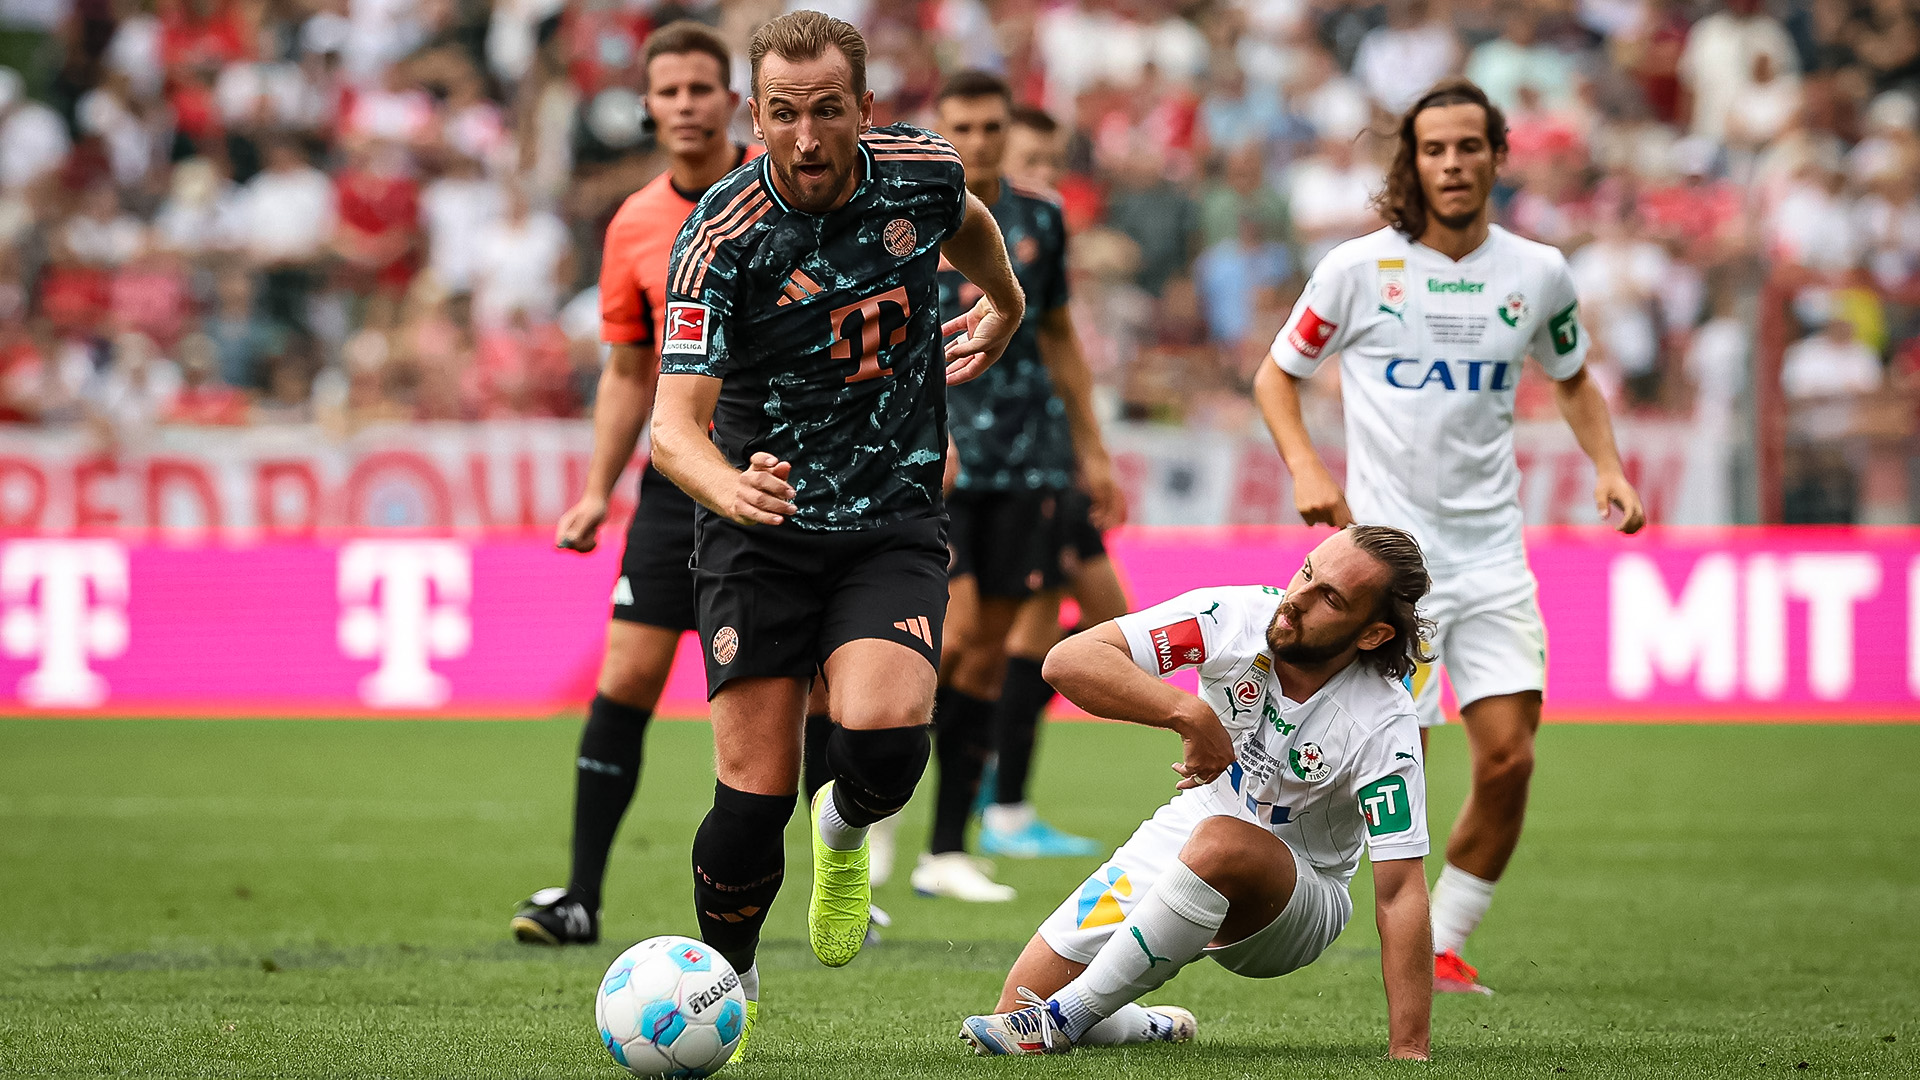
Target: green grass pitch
(240, 899)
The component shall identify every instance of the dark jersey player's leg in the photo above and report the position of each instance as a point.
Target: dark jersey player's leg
(652, 606)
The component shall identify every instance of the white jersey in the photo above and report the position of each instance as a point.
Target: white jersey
(1325, 775)
(1430, 352)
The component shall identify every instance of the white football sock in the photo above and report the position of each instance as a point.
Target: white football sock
(1168, 930)
(834, 831)
(750, 982)
(1130, 1024)
(1459, 902)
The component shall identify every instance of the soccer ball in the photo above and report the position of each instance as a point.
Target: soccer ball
(670, 1006)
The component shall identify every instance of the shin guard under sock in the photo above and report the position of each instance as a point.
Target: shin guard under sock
(739, 861)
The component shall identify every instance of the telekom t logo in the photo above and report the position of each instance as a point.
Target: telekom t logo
(405, 603)
(65, 603)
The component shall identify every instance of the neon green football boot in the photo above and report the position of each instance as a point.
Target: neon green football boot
(746, 1032)
(837, 913)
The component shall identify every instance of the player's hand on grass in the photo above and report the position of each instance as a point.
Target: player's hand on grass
(1614, 493)
(985, 331)
(1320, 500)
(1109, 509)
(1204, 744)
(763, 496)
(579, 528)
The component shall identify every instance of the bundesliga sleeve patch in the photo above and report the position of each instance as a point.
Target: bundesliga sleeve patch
(1310, 334)
(686, 329)
(1177, 646)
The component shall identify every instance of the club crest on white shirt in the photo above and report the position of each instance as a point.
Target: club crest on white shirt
(1309, 763)
(1392, 274)
(1514, 310)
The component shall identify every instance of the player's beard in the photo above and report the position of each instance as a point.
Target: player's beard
(809, 199)
(1457, 222)
(1299, 652)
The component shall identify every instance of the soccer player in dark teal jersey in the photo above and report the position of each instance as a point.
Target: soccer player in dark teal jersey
(803, 324)
(1024, 432)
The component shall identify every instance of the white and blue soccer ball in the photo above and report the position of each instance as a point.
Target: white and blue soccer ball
(671, 1006)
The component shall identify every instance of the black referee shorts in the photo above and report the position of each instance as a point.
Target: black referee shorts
(776, 600)
(1004, 539)
(656, 578)
(1075, 540)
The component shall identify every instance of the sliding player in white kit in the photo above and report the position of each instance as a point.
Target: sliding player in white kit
(1301, 748)
(1432, 319)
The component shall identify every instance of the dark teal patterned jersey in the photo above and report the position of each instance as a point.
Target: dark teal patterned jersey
(1009, 426)
(825, 328)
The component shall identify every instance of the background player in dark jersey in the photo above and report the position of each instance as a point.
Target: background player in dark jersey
(1036, 160)
(1023, 431)
(687, 96)
(803, 322)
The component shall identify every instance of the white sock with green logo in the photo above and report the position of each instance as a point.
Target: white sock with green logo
(1459, 902)
(1169, 928)
(1128, 1025)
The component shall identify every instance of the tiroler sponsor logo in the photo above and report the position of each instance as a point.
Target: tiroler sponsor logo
(1435, 285)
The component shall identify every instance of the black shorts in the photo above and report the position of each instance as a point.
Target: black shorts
(656, 578)
(1075, 540)
(1004, 539)
(776, 601)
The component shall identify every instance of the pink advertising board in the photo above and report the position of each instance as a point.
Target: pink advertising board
(1734, 624)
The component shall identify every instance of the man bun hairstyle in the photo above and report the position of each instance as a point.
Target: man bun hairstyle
(807, 35)
(1407, 583)
(974, 83)
(1403, 202)
(1035, 118)
(684, 36)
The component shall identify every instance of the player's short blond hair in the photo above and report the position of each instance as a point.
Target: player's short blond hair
(806, 35)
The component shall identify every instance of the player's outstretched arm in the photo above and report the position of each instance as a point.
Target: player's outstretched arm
(620, 409)
(1315, 494)
(1095, 670)
(1406, 954)
(1073, 381)
(681, 449)
(1585, 410)
(977, 250)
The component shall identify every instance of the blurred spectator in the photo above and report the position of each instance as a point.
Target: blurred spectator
(242, 338)
(1237, 114)
(1823, 375)
(1242, 194)
(103, 235)
(1399, 61)
(1717, 67)
(33, 139)
(455, 210)
(136, 388)
(1517, 58)
(1329, 103)
(203, 400)
(288, 213)
(1812, 226)
(1329, 196)
(521, 259)
(1237, 278)
(1618, 278)
(1157, 215)
(203, 213)
(378, 207)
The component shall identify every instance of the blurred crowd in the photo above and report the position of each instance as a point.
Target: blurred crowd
(242, 211)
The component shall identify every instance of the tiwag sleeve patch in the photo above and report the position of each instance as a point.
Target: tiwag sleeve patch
(1177, 645)
(1310, 333)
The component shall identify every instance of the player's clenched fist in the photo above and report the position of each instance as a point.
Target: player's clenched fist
(1319, 500)
(988, 330)
(763, 496)
(1204, 744)
(579, 528)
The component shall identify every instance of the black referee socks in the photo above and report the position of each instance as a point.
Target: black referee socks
(605, 775)
(874, 772)
(963, 724)
(1016, 723)
(739, 861)
(813, 762)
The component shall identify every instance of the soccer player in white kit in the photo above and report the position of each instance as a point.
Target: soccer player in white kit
(1432, 318)
(1301, 748)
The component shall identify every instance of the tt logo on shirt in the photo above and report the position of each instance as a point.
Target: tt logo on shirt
(857, 331)
(1408, 373)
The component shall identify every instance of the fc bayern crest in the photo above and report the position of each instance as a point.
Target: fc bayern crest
(726, 645)
(898, 238)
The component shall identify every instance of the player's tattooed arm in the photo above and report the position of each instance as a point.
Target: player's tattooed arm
(1586, 413)
(977, 250)
(759, 495)
(1073, 382)
(1406, 954)
(1095, 670)
(1316, 495)
(620, 409)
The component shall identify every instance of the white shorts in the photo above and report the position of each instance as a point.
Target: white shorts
(1313, 917)
(1488, 636)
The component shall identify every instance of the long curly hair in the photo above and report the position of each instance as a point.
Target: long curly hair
(1407, 583)
(1403, 202)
